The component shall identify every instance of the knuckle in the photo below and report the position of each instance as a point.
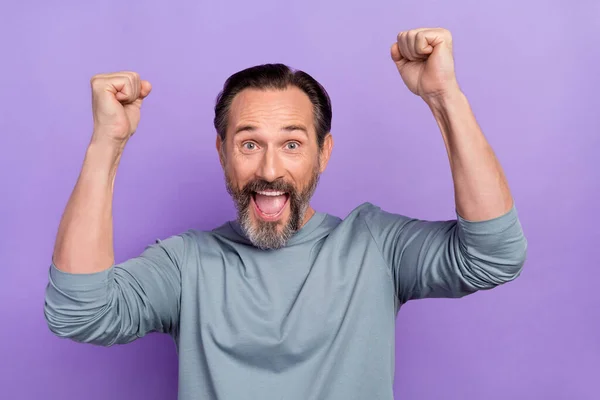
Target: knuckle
(132, 75)
(96, 83)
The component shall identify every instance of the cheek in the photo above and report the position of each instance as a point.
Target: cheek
(239, 171)
(298, 163)
(306, 166)
(303, 177)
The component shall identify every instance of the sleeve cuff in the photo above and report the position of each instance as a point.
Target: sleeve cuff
(68, 280)
(494, 225)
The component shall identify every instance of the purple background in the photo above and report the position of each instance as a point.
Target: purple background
(529, 68)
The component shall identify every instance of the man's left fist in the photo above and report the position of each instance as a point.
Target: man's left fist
(425, 62)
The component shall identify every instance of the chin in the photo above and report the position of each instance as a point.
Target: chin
(267, 232)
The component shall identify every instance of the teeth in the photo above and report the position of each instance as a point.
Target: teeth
(271, 193)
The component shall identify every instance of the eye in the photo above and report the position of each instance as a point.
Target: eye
(249, 146)
(292, 145)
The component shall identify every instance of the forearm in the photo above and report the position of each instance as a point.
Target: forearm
(84, 243)
(480, 186)
(91, 299)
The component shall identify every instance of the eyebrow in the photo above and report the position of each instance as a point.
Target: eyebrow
(286, 128)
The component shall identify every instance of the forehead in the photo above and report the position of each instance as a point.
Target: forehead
(271, 106)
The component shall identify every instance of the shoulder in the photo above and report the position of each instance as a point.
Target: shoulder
(190, 244)
(380, 223)
(363, 210)
(366, 217)
(174, 246)
(370, 213)
(225, 235)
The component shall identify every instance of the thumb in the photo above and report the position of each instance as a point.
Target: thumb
(145, 89)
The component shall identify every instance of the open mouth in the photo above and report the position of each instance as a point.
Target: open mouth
(270, 204)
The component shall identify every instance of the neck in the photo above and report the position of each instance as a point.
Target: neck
(308, 215)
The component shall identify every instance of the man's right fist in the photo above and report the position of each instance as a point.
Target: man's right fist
(116, 102)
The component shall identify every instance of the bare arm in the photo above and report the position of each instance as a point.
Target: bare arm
(480, 187)
(84, 242)
(88, 297)
(426, 64)
(484, 246)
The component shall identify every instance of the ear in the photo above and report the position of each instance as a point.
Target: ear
(221, 150)
(325, 153)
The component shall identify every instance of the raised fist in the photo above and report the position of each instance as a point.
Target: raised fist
(425, 61)
(116, 103)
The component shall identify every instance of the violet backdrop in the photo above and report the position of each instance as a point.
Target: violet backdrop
(529, 68)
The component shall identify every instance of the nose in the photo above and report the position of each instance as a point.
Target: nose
(270, 168)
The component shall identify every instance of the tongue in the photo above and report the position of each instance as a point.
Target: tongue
(269, 204)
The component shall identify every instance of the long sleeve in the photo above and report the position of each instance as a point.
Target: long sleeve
(122, 303)
(451, 259)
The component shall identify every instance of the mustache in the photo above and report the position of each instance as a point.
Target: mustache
(260, 184)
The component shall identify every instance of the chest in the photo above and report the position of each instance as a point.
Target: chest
(286, 305)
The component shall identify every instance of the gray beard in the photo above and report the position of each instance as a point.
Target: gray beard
(265, 234)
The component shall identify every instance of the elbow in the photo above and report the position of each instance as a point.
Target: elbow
(515, 261)
(509, 271)
(494, 268)
(59, 323)
(61, 327)
(69, 323)
(492, 252)
(94, 328)
(90, 321)
(83, 308)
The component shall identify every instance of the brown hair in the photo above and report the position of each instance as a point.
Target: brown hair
(275, 76)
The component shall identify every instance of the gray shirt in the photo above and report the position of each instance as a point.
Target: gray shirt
(313, 320)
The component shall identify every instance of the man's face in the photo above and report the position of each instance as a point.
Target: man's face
(272, 162)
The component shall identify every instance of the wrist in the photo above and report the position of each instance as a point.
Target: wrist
(442, 101)
(453, 115)
(102, 156)
(106, 140)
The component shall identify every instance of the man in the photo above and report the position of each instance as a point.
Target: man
(285, 302)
